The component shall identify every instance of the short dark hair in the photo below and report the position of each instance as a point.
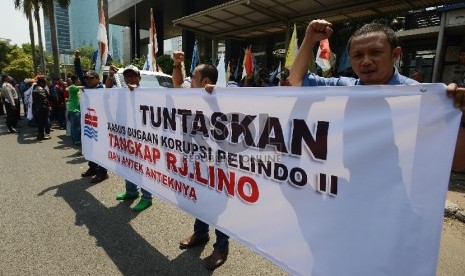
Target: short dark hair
(374, 28)
(209, 71)
(41, 80)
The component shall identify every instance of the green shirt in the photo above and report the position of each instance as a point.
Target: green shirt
(73, 104)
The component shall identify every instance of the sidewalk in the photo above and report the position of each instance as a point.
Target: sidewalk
(455, 202)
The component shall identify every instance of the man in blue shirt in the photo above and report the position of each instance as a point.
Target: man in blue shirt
(373, 51)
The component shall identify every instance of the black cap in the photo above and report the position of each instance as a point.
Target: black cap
(4, 76)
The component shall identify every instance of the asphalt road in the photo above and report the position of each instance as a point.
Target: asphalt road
(53, 222)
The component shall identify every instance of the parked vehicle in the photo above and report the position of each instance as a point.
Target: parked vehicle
(149, 79)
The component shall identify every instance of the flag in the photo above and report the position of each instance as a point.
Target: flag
(323, 56)
(195, 57)
(248, 63)
(221, 82)
(152, 55)
(147, 60)
(102, 39)
(276, 73)
(244, 73)
(292, 49)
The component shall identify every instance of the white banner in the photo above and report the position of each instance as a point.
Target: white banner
(322, 181)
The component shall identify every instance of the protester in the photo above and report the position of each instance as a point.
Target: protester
(74, 111)
(283, 81)
(41, 108)
(203, 75)
(90, 80)
(57, 91)
(132, 78)
(418, 76)
(373, 51)
(11, 103)
(2, 111)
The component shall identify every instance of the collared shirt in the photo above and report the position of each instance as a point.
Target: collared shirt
(314, 80)
(9, 92)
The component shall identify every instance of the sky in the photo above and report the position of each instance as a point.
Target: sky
(14, 25)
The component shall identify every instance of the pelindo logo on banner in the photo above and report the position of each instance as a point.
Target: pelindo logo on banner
(91, 124)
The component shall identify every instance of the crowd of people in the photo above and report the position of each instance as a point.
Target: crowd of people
(373, 52)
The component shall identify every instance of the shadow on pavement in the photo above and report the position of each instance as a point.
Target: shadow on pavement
(128, 250)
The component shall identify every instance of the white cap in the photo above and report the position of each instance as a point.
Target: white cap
(131, 68)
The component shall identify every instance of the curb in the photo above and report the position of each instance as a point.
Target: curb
(452, 210)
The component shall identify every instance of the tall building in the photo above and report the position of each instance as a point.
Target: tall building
(62, 23)
(77, 26)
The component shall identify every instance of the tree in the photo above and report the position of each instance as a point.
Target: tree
(37, 5)
(27, 49)
(5, 49)
(27, 6)
(20, 66)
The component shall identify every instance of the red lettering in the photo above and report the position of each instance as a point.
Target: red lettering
(254, 193)
(171, 162)
(228, 182)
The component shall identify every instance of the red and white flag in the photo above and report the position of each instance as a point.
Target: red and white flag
(323, 56)
(102, 39)
(153, 44)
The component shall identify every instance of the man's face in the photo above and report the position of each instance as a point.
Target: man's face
(196, 79)
(372, 58)
(131, 78)
(92, 81)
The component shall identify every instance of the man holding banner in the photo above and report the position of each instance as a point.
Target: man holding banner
(132, 79)
(204, 75)
(373, 51)
(90, 80)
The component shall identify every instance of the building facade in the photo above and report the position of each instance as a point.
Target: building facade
(77, 26)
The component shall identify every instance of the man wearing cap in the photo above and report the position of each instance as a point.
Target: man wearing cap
(90, 80)
(11, 103)
(132, 79)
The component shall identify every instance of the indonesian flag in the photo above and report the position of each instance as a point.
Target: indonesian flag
(323, 56)
(102, 39)
(153, 43)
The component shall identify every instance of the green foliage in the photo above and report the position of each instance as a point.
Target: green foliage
(20, 66)
(86, 51)
(118, 64)
(5, 49)
(139, 61)
(86, 63)
(166, 64)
